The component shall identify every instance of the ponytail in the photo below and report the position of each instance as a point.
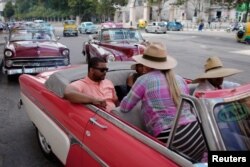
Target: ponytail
(173, 86)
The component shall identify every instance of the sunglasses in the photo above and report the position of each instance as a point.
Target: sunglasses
(101, 69)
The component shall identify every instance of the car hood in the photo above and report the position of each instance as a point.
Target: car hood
(35, 49)
(124, 50)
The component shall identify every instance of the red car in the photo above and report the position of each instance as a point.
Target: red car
(85, 135)
(114, 44)
(30, 50)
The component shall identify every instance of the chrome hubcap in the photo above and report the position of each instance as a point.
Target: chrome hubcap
(45, 145)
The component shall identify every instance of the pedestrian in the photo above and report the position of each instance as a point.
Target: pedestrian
(201, 25)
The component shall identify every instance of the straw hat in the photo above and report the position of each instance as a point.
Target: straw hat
(214, 69)
(155, 56)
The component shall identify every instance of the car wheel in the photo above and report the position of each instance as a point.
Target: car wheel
(44, 145)
(76, 34)
(146, 30)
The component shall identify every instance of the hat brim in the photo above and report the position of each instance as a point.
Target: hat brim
(217, 73)
(169, 64)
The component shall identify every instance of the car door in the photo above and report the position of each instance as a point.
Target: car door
(112, 146)
(196, 147)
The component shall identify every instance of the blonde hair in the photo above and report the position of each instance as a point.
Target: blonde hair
(173, 86)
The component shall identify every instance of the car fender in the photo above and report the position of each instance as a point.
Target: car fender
(49, 129)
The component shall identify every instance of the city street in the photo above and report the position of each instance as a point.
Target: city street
(18, 143)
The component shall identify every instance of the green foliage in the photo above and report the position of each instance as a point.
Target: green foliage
(86, 9)
(9, 10)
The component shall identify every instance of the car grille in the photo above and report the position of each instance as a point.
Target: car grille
(40, 63)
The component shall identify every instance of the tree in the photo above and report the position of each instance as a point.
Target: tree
(9, 10)
(159, 5)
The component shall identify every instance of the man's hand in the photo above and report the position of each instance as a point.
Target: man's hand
(99, 102)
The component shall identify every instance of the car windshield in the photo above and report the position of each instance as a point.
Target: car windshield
(233, 120)
(112, 35)
(69, 22)
(31, 34)
(161, 24)
(89, 24)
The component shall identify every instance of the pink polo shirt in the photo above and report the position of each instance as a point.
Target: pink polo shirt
(102, 90)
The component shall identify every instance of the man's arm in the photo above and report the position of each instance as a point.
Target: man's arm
(74, 96)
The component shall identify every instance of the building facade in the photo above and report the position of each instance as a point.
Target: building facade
(192, 10)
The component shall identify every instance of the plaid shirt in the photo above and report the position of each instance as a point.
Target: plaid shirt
(157, 104)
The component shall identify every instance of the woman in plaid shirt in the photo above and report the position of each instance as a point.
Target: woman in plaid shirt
(159, 91)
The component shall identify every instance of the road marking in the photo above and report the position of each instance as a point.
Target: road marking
(244, 52)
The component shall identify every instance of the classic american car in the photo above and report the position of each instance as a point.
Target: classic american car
(156, 27)
(70, 28)
(29, 50)
(114, 44)
(85, 135)
(88, 28)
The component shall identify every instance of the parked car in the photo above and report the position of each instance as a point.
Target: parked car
(88, 28)
(33, 51)
(114, 44)
(174, 26)
(70, 28)
(156, 27)
(85, 135)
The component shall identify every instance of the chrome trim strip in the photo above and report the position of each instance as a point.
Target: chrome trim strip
(28, 70)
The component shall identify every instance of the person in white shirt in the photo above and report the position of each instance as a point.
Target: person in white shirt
(213, 78)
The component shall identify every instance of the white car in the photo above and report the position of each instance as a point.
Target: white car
(156, 27)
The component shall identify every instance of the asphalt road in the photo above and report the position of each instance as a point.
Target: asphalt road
(18, 143)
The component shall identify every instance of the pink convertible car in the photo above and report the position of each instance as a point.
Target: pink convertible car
(85, 135)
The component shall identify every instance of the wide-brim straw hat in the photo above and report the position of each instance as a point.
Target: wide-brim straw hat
(214, 69)
(155, 56)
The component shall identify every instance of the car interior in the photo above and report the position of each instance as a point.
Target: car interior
(117, 74)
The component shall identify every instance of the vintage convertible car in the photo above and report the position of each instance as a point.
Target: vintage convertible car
(29, 50)
(85, 135)
(114, 44)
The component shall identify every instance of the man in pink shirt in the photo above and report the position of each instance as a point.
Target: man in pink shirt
(94, 88)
